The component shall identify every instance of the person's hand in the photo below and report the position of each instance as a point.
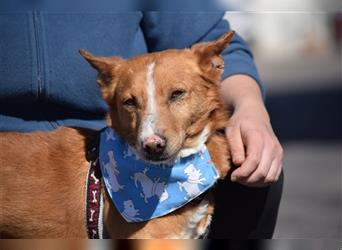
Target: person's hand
(254, 147)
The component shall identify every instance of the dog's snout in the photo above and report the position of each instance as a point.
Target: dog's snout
(154, 144)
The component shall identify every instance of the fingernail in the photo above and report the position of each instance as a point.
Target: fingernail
(233, 178)
(237, 160)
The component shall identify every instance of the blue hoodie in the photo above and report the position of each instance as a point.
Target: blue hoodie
(45, 83)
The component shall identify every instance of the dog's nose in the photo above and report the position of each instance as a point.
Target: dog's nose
(154, 144)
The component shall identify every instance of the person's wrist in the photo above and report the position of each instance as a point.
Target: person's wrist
(252, 107)
(248, 101)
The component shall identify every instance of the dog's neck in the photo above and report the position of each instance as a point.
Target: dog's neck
(143, 191)
(200, 142)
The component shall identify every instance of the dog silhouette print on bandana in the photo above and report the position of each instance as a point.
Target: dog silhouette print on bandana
(141, 190)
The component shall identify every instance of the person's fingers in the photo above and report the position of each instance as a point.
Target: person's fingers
(254, 146)
(272, 173)
(269, 168)
(237, 149)
(279, 171)
(276, 167)
(281, 157)
(257, 178)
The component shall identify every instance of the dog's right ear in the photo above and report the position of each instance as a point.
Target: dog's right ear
(105, 67)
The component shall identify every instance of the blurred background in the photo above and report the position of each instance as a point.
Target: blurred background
(299, 58)
(298, 52)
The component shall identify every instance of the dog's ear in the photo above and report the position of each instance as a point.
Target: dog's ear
(105, 67)
(209, 56)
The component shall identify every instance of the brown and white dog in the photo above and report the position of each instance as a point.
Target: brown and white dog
(164, 104)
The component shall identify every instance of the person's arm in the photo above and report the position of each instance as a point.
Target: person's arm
(254, 146)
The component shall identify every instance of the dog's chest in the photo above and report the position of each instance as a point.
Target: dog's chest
(197, 222)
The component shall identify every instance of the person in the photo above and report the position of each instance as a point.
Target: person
(44, 84)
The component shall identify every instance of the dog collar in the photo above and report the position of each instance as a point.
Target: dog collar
(142, 191)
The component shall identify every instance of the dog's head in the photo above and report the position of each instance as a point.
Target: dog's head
(164, 102)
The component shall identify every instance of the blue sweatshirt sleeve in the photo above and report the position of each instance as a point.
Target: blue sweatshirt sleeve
(165, 30)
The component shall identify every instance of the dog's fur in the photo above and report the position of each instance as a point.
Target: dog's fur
(43, 174)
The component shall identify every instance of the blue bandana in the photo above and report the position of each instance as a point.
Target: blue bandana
(142, 191)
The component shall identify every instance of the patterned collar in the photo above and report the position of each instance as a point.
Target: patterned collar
(142, 191)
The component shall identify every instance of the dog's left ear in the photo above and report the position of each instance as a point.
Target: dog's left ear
(209, 56)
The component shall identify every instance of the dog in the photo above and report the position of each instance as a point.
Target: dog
(164, 104)
(130, 212)
(114, 172)
(194, 179)
(149, 187)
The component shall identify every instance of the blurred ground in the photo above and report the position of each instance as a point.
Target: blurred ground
(311, 204)
(306, 112)
(307, 244)
(304, 99)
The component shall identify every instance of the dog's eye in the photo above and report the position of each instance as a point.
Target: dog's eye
(130, 103)
(175, 95)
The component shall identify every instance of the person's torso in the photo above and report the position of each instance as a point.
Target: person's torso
(39, 54)
(45, 83)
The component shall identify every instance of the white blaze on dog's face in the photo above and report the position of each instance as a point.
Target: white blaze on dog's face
(148, 127)
(161, 102)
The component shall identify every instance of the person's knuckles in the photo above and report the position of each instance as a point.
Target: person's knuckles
(274, 149)
(271, 144)
(254, 159)
(260, 175)
(256, 145)
(254, 134)
(232, 138)
(274, 142)
(280, 152)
